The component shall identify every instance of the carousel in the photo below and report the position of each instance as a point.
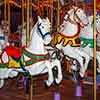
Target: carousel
(49, 49)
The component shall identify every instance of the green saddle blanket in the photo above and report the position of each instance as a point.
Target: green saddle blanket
(86, 42)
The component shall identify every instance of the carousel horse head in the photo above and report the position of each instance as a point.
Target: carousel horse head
(87, 31)
(43, 30)
(75, 16)
(70, 28)
(80, 16)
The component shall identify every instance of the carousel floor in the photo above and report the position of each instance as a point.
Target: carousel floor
(65, 91)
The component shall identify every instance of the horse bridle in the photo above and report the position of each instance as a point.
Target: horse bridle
(97, 32)
(43, 36)
(71, 21)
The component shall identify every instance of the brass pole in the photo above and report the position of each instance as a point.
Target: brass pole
(76, 3)
(27, 43)
(22, 14)
(58, 15)
(51, 2)
(9, 15)
(27, 32)
(39, 12)
(84, 6)
(70, 4)
(47, 8)
(42, 10)
(5, 8)
(94, 50)
(30, 8)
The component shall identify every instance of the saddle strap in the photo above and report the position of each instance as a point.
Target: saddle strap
(34, 58)
(4, 65)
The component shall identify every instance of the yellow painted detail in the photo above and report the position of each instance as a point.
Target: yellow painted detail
(13, 63)
(59, 38)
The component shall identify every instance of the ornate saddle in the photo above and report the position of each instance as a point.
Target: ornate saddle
(15, 56)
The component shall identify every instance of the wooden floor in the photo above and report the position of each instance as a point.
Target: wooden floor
(66, 91)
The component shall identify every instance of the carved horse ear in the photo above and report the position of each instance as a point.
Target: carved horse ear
(39, 19)
(74, 7)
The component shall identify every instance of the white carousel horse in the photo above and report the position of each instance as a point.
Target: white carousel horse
(35, 56)
(98, 40)
(2, 40)
(86, 37)
(98, 29)
(69, 34)
(4, 29)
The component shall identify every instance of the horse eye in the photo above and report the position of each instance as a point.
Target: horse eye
(42, 26)
(78, 10)
(62, 25)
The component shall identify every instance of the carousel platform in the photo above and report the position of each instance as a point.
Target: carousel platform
(65, 91)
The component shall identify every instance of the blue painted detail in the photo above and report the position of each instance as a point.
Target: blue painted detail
(2, 37)
(87, 1)
(43, 35)
(98, 78)
(98, 13)
(88, 79)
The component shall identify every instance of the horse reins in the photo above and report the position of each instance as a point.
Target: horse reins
(72, 22)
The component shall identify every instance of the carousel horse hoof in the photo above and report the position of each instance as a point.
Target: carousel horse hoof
(47, 83)
(79, 78)
(76, 77)
(58, 80)
(74, 80)
(1, 83)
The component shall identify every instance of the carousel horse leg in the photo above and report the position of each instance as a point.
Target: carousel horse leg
(58, 77)
(83, 68)
(98, 70)
(98, 58)
(26, 84)
(80, 59)
(50, 74)
(1, 83)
